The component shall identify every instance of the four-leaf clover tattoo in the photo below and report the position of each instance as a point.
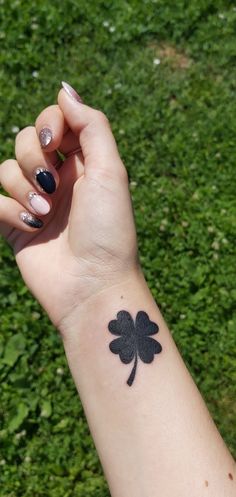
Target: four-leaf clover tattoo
(134, 339)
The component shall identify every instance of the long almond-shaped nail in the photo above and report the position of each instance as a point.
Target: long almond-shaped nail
(31, 220)
(45, 137)
(39, 204)
(45, 179)
(71, 92)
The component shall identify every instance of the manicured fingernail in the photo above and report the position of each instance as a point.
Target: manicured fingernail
(39, 204)
(45, 179)
(31, 220)
(71, 92)
(45, 137)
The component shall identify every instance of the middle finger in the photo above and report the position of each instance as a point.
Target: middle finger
(38, 167)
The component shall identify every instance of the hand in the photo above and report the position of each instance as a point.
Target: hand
(87, 242)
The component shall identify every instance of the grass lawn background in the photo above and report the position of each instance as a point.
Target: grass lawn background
(164, 73)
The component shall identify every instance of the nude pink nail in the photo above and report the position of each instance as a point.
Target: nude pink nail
(39, 204)
(71, 92)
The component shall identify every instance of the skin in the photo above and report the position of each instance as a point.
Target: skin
(94, 244)
(156, 437)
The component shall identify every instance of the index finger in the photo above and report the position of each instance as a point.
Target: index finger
(51, 127)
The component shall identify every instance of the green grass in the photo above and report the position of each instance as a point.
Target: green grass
(175, 125)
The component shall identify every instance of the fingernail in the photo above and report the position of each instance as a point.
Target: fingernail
(46, 180)
(71, 92)
(31, 220)
(45, 137)
(39, 204)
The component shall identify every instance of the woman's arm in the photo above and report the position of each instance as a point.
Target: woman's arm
(155, 437)
(79, 259)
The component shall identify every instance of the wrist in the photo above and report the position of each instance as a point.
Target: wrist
(87, 335)
(106, 302)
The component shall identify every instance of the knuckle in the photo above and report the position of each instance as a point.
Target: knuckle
(102, 118)
(23, 133)
(76, 186)
(23, 143)
(7, 166)
(45, 113)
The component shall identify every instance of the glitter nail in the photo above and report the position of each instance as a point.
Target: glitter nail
(31, 220)
(45, 137)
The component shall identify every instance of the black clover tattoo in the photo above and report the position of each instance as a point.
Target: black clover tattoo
(134, 339)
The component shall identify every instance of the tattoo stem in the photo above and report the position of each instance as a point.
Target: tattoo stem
(132, 374)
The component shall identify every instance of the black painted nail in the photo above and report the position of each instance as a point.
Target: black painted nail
(46, 180)
(45, 137)
(31, 220)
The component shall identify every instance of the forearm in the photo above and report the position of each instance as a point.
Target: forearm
(155, 437)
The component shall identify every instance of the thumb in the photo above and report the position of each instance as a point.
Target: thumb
(94, 133)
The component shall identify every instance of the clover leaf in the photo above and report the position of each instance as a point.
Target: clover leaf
(134, 339)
